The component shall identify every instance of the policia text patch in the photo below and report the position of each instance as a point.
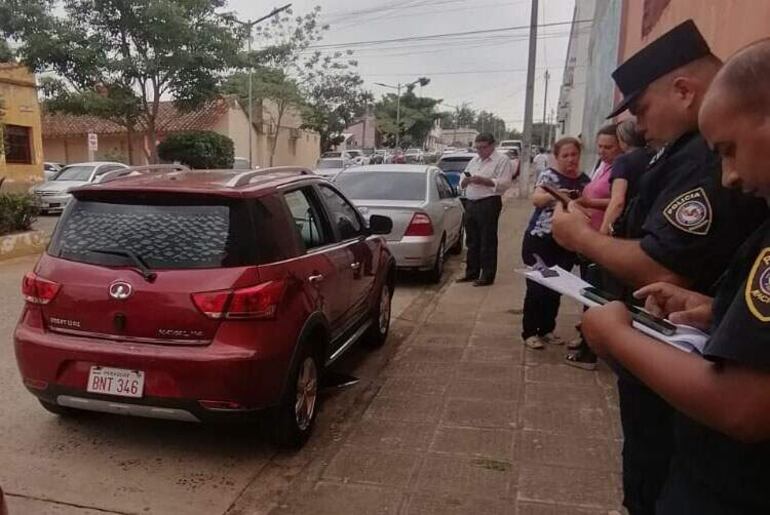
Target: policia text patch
(758, 287)
(690, 212)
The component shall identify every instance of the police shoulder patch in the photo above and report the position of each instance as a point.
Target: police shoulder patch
(691, 212)
(758, 287)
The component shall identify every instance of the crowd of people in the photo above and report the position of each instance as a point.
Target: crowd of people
(673, 218)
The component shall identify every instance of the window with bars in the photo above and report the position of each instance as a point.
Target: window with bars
(18, 144)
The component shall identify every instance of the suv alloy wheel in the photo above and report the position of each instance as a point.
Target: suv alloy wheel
(295, 417)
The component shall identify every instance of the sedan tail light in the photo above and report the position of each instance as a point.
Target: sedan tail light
(420, 226)
(37, 290)
(255, 302)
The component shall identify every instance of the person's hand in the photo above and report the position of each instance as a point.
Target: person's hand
(465, 181)
(602, 323)
(679, 305)
(570, 226)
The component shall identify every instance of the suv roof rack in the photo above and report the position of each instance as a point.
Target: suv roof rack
(244, 178)
(139, 170)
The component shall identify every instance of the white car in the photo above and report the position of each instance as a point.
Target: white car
(509, 144)
(426, 212)
(53, 196)
(50, 170)
(330, 166)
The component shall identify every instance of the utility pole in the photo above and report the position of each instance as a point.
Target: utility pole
(545, 107)
(421, 81)
(527, 136)
(249, 25)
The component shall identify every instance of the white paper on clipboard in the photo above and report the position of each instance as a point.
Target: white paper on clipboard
(686, 338)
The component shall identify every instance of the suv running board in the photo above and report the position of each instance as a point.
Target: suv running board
(350, 341)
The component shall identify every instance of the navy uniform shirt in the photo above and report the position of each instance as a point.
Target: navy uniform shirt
(686, 220)
(737, 473)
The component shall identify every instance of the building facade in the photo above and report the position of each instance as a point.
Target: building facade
(65, 137)
(21, 161)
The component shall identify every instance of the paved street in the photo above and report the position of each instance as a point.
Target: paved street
(106, 464)
(452, 416)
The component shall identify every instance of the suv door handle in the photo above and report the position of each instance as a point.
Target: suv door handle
(315, 279)
(355, 266)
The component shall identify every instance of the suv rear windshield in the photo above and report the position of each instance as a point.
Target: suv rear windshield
(454, 164)
(177, 235)
(382, 185)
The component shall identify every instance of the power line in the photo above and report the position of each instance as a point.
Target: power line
(445, 35)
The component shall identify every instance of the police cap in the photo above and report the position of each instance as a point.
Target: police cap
(680, 46)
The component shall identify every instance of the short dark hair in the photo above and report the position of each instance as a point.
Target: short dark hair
(745, 76)
(563, 142)
(485, 137)
(608, 130)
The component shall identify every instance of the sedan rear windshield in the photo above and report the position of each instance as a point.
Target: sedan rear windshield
(326, 164)
(175, 235)
(382, 185)
(456, 164)
(75, 173)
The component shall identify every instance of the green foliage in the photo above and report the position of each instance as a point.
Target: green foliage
(17, 212)
(418, 115)
(6, 54)
(198, 149)
(129, 52)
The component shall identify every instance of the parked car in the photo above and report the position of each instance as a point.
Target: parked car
(453, 165)
(196, 295)
(358, 157)
(330, 166)
(339, 154)
(53, 196)
(413, 155)
(510, 144)
(50, 170)
(426, 213)
(241, 163)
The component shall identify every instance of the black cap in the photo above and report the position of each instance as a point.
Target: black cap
(680, 46)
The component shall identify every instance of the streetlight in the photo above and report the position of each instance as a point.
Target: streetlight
(249, 25)
(422, 81)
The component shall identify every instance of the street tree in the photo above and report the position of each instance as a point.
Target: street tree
(268, 84)
(130, 52)
(489, 122)
(418, 115)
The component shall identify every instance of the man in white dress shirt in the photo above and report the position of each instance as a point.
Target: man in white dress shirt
(486, 178)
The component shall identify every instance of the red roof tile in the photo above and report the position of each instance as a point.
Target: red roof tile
(170, 119)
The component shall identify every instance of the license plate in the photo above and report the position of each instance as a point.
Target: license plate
(55, 204)
(116, 381)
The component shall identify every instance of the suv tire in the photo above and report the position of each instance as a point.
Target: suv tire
(295, 417)
(377, 333)
(435, 274)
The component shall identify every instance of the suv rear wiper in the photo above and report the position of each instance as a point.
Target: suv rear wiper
(135, 258)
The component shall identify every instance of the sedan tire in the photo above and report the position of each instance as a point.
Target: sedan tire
(438, 267)
(377, 333)
(457, 248)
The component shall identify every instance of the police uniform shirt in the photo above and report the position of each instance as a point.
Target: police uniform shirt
(734, 477)
(686, 220)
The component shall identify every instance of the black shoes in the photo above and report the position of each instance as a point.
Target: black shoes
(483, 282)
(467, 279)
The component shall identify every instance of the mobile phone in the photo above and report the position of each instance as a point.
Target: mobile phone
(597, 295)
(640, 315)
(558, 195)
(467, 174)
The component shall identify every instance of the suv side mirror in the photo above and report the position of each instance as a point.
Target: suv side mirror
(379, 224)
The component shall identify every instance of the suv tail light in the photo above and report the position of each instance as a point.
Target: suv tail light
(37, 290)
(420, 226)
(260, 301)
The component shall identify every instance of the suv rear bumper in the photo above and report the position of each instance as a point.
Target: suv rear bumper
(176, 377)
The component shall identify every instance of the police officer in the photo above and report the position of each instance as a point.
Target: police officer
(682, 227)
(720, 465)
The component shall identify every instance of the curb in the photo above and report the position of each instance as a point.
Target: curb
(23, 244)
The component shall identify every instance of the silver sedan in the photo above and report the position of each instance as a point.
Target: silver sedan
(426, 211)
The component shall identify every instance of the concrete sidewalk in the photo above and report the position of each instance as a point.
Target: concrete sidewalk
(466, 421)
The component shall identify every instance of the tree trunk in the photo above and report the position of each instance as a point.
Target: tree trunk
(152, 136)
(281, 108)
(130, 145)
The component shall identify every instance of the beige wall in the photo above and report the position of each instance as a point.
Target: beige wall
(74, 149)
(727, 25)
(18, 91)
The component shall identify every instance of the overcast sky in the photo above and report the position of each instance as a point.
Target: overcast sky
(487, 70)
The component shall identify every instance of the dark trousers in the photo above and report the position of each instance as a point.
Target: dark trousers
(541, 305)
(481, 218)
(648, 445)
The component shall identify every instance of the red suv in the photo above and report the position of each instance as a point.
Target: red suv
(186, 295)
